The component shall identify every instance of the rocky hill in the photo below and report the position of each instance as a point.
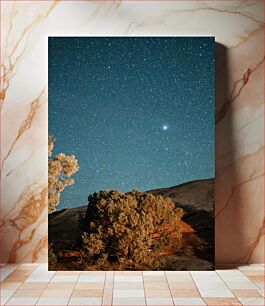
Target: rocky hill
(197, 200)
(193, 196)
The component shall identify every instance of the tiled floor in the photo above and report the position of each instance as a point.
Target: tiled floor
(33, 284)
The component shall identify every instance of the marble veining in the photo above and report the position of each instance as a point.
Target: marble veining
(238, 27)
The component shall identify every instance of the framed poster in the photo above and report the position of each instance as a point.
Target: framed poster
(131, 153)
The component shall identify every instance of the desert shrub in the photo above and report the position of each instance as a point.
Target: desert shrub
(52, 258)
(130, 230)
(60, 169)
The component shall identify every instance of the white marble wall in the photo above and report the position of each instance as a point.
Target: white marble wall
(238, 28)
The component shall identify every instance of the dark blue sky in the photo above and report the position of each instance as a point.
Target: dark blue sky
(138, 113)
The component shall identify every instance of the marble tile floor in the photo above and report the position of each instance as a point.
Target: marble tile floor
(33, 284)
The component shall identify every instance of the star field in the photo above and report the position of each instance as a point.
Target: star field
(138, 113)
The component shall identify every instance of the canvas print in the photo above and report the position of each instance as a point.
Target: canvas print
(131, 153)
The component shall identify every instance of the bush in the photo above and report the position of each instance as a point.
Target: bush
(130, 230)
(52, 258)
(60, 169)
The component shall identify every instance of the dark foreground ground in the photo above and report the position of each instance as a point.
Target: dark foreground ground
(197, 253)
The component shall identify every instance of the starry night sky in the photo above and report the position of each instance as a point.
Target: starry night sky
(138, 113)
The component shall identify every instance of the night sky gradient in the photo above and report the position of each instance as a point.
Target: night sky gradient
(138, 113)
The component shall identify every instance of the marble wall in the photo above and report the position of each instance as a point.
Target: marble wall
(238, 28)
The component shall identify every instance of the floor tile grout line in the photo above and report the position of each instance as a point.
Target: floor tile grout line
(112, 294)
(222, 277)
(112, 291)
(233, 292)
(12, 271)
(15, 290)
(195, 284)
(228, 289)
(10, 297)
(169, 288)
(105, 279)
(145, 298)
(47, 283)
(73, 288)
(41, 293)
(104, 289)
(209, 289)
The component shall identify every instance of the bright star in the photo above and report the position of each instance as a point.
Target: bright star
(165, 127)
